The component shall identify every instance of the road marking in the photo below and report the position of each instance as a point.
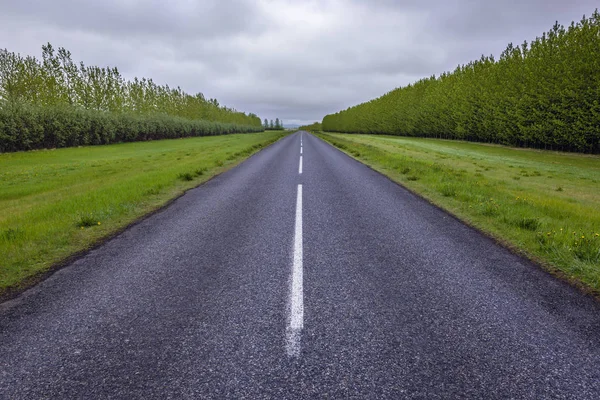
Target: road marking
(296, 321)
(300, 149)
(300, 166)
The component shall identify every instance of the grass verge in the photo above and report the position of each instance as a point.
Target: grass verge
(56, 203)
(544, 205)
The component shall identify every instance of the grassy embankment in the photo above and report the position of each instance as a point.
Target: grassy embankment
(54, 203)
(543, 204)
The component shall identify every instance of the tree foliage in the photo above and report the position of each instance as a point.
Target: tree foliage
(314, 127)
(55, 89)
(543, 94)
(273, 126)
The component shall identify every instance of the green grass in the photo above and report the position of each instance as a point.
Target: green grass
(543, 204)
(54, 203)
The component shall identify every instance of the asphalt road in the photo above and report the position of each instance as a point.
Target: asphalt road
(270, 283)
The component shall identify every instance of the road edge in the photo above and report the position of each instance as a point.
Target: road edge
(528, 258)
(12, 292)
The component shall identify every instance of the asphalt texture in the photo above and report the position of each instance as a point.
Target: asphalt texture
(400, 301)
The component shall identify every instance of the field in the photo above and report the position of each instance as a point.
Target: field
(545, 205)
(54, 203)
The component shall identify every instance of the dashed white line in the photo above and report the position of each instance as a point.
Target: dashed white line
(296, 320)
(300, 166)
(300, 149)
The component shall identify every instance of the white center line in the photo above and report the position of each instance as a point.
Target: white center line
(300, 166)
(296, 321)
(300, 149)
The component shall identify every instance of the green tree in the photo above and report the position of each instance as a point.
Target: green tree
(540, 94)
(56, 102)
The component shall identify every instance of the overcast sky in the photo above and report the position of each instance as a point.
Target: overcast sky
(293, 59)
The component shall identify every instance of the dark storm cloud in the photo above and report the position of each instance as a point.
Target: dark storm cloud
(293, 59)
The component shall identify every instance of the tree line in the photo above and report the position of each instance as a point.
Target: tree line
(273, 126)
(43, 100)
(543, 94)
(314, 127)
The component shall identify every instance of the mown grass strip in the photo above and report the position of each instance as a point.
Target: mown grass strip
(543, 204)
(54, 203)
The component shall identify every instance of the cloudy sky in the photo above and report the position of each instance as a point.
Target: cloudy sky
(293, 59)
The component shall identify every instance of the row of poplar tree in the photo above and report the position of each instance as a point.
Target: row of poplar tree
(543, 94)
(55, 102)
(314, 127)
(273, 126)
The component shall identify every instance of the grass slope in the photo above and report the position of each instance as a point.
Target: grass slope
(544, 204)
(54, 203)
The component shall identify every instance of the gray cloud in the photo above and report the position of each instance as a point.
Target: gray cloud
(293, 59)
(142, 19)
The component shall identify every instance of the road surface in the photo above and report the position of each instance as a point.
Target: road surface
(300, 275)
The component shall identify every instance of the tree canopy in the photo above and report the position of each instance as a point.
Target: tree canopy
(55, 102)
(543, 94)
